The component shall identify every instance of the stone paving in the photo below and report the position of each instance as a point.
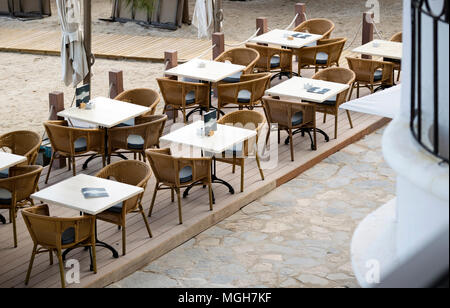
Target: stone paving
(298, 235)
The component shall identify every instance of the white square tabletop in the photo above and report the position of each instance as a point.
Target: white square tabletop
(381, 48)
(205, 70)
(106, 113)
(8, 160)
(224, 138)
(280, 37)
(68, 194)
(294, 88)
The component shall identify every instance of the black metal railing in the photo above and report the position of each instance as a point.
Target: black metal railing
(427, 133)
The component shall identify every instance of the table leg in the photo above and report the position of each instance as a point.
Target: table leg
(2, 219)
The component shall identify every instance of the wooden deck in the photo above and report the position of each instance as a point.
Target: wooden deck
(168, 234)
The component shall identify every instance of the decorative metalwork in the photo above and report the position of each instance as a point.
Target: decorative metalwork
(420, 10)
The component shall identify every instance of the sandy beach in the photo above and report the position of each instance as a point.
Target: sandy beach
(26, 80)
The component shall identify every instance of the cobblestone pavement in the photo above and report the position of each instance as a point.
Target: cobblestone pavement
(298, 235)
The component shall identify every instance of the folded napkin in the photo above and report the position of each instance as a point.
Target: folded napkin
(90, 193)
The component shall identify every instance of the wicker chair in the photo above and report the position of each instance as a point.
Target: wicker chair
(397, 37)
(331, 106)
(73, 142)
(247, 57)
(15, 191)
(136, 139)
(317, 26)
(182, 95)
(371, 73)
(130, 172)
(247, 119)
(246, 93)
(54, 234)
(326, 54)
(291, 116)
(175, 173)
(143, 97)
(25, 143)
(273, 59)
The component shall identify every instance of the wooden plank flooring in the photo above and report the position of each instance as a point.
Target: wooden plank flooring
(164, 221)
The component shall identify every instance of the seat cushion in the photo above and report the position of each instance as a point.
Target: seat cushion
(80, 145)
(68, 236)
(186, 174)
(275, 61)
(135, 142)
(190, 98)
(297, 118)
(321, 58)
(244, 96)
(378, 75)
(233, 78)
(5, 196)
(116, 208)
(331, 101)
(185, 79)
(4, 173)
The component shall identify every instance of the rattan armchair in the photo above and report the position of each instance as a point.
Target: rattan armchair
(331, 106)
(326, 54)
(291, 116)
(55, 234)
(397, 37)
(136, 139)
(246, 93)
(247, 57)
(317, 26)
(248, 119)
(371, 73)
(130, 172)
(143, 97)
(273, 59)
(182, 95)
(175, 173)
(25, 143)
(15, 191)
(73, 142)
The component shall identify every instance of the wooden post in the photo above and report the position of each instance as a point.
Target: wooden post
(262, 24)
(115, 83)
(367, 32)
(300, 9)
(218, 15)
(170, 61)
(218, 39)
(87, 13)
(56, 104)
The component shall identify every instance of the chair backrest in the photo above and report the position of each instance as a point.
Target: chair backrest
(47, 231)
(282, 111)
(248, 119)
(365, 69)
(247, 57)
(256, 84)
(266, 54)
(397, 37)
(62, 137)
(174, 92)
(332, 47)
(25, 143)
(321, 26)
(22, 182)
(143, 97)
(339, 75)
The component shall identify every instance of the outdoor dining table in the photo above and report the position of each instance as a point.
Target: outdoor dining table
(206, 71)
(309, 90)
(106, 113)
(223, 139)
(68, 194)
(8, 160)
(381, 48)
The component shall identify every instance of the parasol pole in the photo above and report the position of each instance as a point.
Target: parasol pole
(88, 38)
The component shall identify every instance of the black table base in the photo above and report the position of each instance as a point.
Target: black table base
(308, 131)
(280, 75)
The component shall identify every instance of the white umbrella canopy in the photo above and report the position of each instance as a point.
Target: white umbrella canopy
(203, 18)
(73, 54)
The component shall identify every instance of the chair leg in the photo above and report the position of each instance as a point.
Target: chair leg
(324, 118)
(357, 90)
(50, 255)
(13, 218)
(153, 200)
(103, 160)
(74, 168)
(210, 191)
(291, 144)
(259, 167)
(61, 268)
(50, 167)
(242, 175)
(135, 156)
(279, 135)
(94, 257)
(335, 126)
(398, 75)
(177, 190)
(124, 240)
(351, 91)
(172, 195)
(349, 118)
(30, 266)
(141, 209)
(69, 164)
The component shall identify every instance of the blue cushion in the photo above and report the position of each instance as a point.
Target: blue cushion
(186, 174)
(297, 118)
(275, 61)
(135, 142)
(68, 236)
(244, 96)
(5, 196)
(330, 101)
(4, 173)
(190, 98)
(80, 145)
(116, 208)
(378, 75)
(234, 78)
(130, 122)
(321, 58)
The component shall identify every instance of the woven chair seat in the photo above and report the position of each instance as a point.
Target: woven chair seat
(135, 142)
(5, 196)
(297, 118)
(68, 236)
(233, 78)
(4, 173)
